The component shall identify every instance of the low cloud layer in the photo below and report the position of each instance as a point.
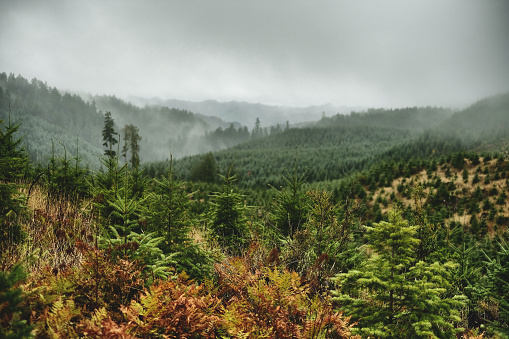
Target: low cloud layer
(297, 53)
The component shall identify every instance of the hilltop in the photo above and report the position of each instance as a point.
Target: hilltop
(465, 190)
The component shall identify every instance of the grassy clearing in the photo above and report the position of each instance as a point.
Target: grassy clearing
(52, 227)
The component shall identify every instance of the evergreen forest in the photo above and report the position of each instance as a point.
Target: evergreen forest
(120, 221)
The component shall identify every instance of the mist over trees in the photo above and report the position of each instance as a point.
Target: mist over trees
(74, 121)
(131, 146)
(50, 117)
(382, 223)
(244, 113)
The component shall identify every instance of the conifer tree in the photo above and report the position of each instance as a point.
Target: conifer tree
(109, 135)
(12, 162)
(320, 248)
(126, 207)
(205, 170)
(257, 130)
(119, 196)
(496, 286)
(132, 140)
(393, 295)
(166, 212)
(166, 215)
(291, 205)
(465, 175)
(426, 231)
(107, 184)
(227, 216)
(66, 178)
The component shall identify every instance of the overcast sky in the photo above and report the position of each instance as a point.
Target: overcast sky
(369, 53)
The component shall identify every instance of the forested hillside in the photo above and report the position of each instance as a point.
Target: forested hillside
(74, 124)
(484, 125)
(322, 153)
(414, 119)
(485, 120)
(50, 117)
(343, 144)
(380, 224)
(116, 252)
(164, 130)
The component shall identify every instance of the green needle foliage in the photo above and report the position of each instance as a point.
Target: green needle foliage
(205, 170)
(128, 204)
(12, 163)
(166, 212)
(291, 205)
(228, 223)
(395, 296)
(109, 135)
(11, 325)
(106, 184)
(167, 215)
(320, 248)
(496, 286)
(126, 210)
(66, 178)
(143, 248)
(118, 195)
(426, 231)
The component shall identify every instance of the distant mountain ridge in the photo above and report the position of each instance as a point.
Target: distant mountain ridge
(246, 113)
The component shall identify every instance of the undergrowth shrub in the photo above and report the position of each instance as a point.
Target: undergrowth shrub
(142, 248)
(51, 233)
(100, 325)
(268, 302)
(176, 309)
(65, 179)
(324, 245)
(12, 325)
(60, 300)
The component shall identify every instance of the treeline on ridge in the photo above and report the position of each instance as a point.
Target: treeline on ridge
(314, 232)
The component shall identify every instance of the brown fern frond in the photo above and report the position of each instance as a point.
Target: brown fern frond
(102, 326)
(176, 309)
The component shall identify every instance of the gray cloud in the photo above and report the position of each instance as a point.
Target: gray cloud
(374, 53)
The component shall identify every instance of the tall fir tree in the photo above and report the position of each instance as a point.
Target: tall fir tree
(109, 135)
(257, 130)
(132, 140)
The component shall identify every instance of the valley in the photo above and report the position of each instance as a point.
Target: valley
(126, 221)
